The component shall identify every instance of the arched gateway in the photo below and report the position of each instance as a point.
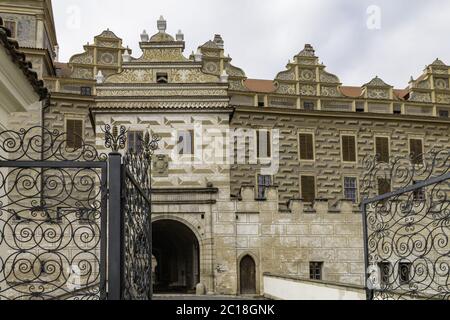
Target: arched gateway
(177, 254)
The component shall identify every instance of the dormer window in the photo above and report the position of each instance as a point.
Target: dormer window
(161, 77)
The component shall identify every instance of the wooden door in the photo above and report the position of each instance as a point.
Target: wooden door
(247, 275)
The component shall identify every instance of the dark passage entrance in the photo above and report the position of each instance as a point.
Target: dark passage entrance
(248, 275)
(176, 251)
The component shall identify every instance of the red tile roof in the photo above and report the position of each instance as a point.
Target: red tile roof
(258, 85)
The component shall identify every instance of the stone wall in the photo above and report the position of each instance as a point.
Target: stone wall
(285, 242)
(328, 167)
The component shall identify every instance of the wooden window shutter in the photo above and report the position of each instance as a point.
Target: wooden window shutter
(416, 148)
(382, 149)
(306, 146)
(308, 188)
(349, 148)
(74, 133)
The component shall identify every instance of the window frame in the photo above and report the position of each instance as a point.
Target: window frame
(313, 267)
(401, 281)
(388, 146)
(421, 139)
(419, 191)
(309, 102)
(86, 88)
(270, 144)
(15, 34)
(315, 187)
(135, 132)
(378, 186)
(342, 135)
(356, 187)
(67, 133)
(161, 75)
(192, 131)
(258, 185)
(385, 278)
(313, 146)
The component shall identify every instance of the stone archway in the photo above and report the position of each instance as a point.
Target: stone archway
(177, 250)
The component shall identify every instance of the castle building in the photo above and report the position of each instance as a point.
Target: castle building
(252, 176)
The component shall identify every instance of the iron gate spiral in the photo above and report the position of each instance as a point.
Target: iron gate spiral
(407, 230)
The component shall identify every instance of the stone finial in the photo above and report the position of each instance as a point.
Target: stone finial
(198, 57)
(100, 77)
(180, 36)
(308, 51)
(126, 57)
(162, 24)
(219, 41)
(224, 76)
(144, 36)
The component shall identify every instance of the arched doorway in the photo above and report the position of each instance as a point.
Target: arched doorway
(176, 249)
(247, 275)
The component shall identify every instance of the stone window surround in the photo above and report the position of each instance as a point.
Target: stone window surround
(349, 134)
(416, 137)
(75, 118)
(255, 143)
(344, 175)
(312, 133)
(308, 174)
(382, 136)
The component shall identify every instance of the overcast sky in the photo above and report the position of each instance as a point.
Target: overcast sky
(355, 39)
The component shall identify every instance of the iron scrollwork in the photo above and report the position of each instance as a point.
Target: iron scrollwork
(137, 216)
(52, 215)
(115, 137)
(408, 229)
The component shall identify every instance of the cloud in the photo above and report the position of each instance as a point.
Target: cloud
(262, 35)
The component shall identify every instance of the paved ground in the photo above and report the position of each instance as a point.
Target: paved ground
(207, 297)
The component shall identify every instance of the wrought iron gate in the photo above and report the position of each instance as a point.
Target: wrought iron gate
(52, 217)
(131, 213)
(407, 226)
(74, 223)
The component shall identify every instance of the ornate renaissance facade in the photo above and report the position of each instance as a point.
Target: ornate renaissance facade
(252, 176)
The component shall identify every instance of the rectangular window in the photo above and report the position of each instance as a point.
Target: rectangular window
(416, 151)
(397, 109)
(382, 149)
(404, 272)
(418, 194)
(308, 186)
(385, 272)
(263, 182)
(86, 91)
(315, 270)
(74, 131)
(349, 148)
(186, 142)
(350, 189)
(162, 77)
(308, 105)
(443, 113)
(263, 143)
(384, 186)
(306, 141)
(12, 26)
(134, 141)
(261, 101)
(360, 107)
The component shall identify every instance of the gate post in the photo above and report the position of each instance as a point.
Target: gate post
(115, 228)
